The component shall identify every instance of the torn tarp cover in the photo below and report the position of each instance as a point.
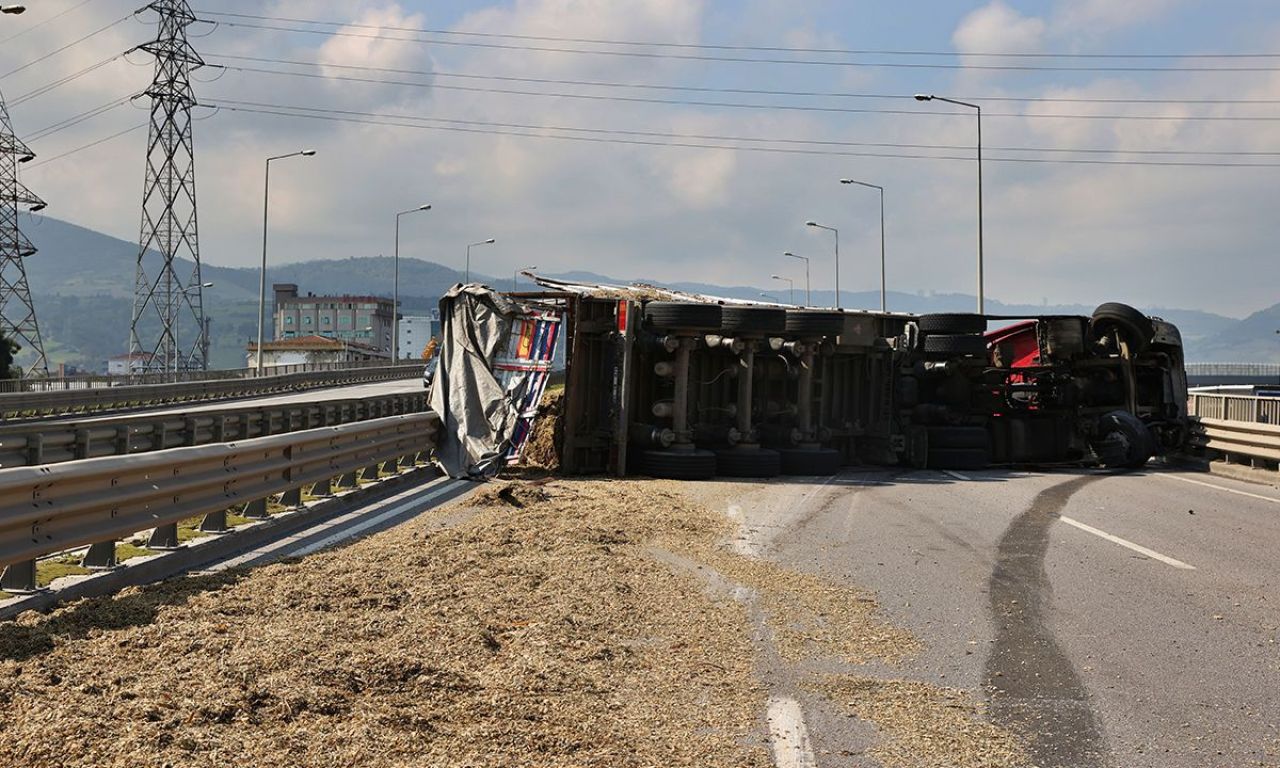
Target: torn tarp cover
(479, 406)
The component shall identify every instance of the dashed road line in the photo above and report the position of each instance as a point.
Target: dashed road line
(1151, 553)
(788, 734)
(1271, 499)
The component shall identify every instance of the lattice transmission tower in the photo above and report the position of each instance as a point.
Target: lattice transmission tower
(168, 307)
(17, 312)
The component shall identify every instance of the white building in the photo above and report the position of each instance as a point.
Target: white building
(128, 365)
(415, 332)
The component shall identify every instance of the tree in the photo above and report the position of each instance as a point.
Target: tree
(8, 348)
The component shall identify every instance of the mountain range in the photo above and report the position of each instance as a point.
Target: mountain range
(82, 283)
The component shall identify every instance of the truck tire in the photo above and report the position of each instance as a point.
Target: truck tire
(683, 315)
(1124, 441)
(821, 462)
(959, 437)
(753, 320)
(809, 323)
(958, 458)
(948, 346)
(1134, 326)
(952, 322)
(679, 465)
(748, 463)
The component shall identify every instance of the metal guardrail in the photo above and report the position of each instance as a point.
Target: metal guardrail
(133, 396)
(45, 442)
(1238, 425)
(96, 502)
(1235, 438)
(106, 381)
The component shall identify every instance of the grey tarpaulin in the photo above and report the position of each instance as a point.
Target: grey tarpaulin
(476, 415)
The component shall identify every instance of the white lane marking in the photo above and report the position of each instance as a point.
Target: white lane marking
(1151, 553)
(353, 531)
(956, 475)
(790, 737)
(1271, 499)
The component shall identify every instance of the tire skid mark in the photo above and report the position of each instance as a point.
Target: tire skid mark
(1035, 689)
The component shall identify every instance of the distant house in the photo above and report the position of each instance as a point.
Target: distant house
(128, 365)
(302, 350)
(415, 332)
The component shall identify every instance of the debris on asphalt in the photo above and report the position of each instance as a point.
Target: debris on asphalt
(534, 635)
(925, 726)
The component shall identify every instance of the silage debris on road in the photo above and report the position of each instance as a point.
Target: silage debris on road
(534, 634)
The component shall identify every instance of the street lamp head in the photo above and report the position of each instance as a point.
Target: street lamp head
(15, 9)
(789, 253)
(846, 181)
(923, 97)
(27, 158)
(777, 277)
(811, 223)
(426, 207)
(38, 207)
(490, 241)
(308, 153)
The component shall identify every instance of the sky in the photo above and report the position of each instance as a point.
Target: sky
(458, 122)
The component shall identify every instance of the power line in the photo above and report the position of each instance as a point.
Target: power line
(741, 105)
(756, 48)
(751, 91)
(71, 44)
(765, 140)
(371, 118)
(90, 145)
(749, 60)
(42, 90)
(75, 120)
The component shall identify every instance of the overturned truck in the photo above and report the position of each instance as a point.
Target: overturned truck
(689, 387)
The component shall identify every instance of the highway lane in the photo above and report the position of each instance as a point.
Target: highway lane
(351, 391)
(1142, 633)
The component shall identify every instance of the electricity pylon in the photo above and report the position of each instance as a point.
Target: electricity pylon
(164, 303)
(17, 312)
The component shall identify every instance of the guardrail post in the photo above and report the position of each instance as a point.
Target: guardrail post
(347, 480)
(291, 498)
(19, 578)
(371, 472)
(215, 522)
(101, 556)
(256, 510)
(323, 488)
(82, 444)
(192, 436)
(164, 537)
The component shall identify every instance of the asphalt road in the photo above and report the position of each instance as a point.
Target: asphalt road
(1118, 620)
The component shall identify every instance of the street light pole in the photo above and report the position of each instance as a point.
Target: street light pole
(928, 97)
(883, 292)
(791, 285)
(835, 232)
(395, 297)
(808, 297)
(490, 241)
(515, 278)
(262, 277)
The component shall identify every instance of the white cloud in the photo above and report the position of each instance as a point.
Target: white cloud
(1097, 17)
(997, 28)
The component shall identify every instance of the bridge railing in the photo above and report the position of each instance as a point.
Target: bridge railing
(96, 502)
